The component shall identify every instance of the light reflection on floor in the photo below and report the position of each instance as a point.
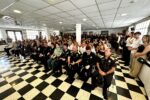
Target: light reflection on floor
(4, 64)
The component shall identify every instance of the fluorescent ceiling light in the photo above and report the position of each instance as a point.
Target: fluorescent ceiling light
(17, 11)
(84, 19)
(60, 22)
(124, 14)
(93, 25)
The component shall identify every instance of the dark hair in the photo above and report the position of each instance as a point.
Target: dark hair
(88, 47)
(65, 44)
(148, 38)
(139, 33)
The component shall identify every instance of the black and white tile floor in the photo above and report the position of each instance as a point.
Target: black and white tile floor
(28, 81)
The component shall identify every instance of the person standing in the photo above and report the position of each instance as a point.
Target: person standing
(105, 68)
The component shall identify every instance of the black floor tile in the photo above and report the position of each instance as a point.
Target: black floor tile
(42, 85)
(123, 92)
(57, 82)
(134, 88)
(57, 94)
(73, 91)
(40, 96)
(25, 89)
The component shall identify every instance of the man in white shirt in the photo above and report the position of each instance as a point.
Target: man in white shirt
(136, 42)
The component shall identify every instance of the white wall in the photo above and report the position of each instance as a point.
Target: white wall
(4, 35)
(116, 30)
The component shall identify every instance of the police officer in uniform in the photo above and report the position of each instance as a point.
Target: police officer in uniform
(88, 63)
(63, 60)
(74, 60)
(106, 67)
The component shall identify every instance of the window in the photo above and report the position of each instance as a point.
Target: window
(31, 34)
(44, 35)
(11, 35)
(1, 36)
(142, 27)
(14, 35)
(18, 36)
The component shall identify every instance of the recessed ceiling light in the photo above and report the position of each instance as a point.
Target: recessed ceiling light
(93, 25)
(124, 14)
(44, 24)
(17, 11)
(60, 22)
(84, 19)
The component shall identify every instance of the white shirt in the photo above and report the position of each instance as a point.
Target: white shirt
(129, 41)
(136, 43)
(82, 49)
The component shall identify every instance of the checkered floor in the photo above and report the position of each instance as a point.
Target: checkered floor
(27, 80)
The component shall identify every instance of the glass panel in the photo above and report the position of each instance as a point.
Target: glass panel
(18, 36)
(11, 35)
(32, 34)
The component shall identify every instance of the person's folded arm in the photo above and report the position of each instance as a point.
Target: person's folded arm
(145, 51)
(111, 70)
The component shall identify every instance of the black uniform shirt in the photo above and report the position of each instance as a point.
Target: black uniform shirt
(88, 59)
(65, 54)
(74, 57)
(106, 64)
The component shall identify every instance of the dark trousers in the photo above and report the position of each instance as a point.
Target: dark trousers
(106, 81)
(58, 66)
(72, 70)
(7, 51)
(126, 56)
(43, 60)
(85, 73)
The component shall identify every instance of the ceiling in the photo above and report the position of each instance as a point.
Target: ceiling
(99, 13)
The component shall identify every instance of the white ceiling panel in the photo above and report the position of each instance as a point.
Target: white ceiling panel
(52, 10)
(83, 3)
(90, 9)
(108, 12)
(35, 3)
(53, 2)
(42, 12)
(104, 1)
(65, 6)
(93, 14)
(75, 12)
(5, 3)
(63, 15)
(109, 5)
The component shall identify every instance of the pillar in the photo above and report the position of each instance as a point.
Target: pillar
(78, 33)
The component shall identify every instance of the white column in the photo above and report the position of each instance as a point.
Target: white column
(78, 33)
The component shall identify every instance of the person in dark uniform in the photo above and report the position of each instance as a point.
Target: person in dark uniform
(105, 68)
(44, 56)
(88, 63)
(38, 51)
(63, 59)
(74, 60)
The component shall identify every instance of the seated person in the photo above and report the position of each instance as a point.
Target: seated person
(52, 61)
(44, 56)
(88, 62)
(7, 49)
(37, 51)
(74, 60)
(64, 58)
(105, 68)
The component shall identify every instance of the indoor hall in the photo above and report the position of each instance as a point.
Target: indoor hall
(74, 49)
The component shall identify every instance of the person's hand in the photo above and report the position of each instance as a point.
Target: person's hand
(102, 73)
(72, 63)
(135, 55)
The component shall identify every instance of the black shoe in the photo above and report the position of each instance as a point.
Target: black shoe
(93, 87)
(105, 97)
